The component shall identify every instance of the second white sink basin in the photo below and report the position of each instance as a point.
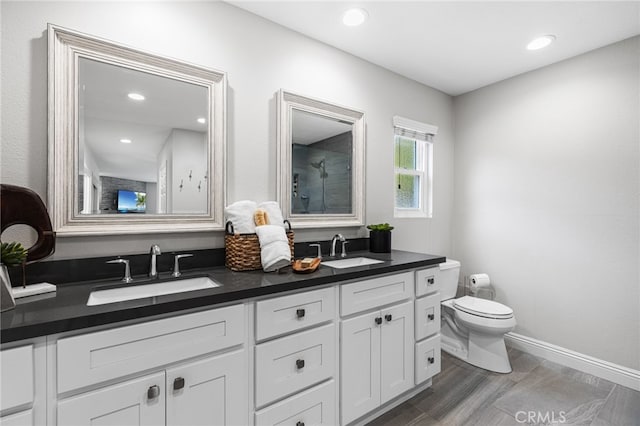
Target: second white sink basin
(352, 262)
(140, 291)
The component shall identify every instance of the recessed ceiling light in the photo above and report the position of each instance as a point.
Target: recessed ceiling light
(201, 120)
(354, 17)
(125, 140)
(136, 96)
(540, 42)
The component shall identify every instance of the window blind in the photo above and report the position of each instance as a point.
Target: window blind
(414, 129)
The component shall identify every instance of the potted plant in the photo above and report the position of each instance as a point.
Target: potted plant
(11, 254)
(380, 238)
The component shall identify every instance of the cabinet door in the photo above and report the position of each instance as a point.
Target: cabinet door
(132, 403)
(23, 418)
(360, 366)
(209, 392)
(397, 350)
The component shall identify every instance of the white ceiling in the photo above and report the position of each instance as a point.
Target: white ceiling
(458, 46)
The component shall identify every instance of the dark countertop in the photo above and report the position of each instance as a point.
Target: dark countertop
(66, 309)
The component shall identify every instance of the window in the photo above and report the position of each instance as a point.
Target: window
(413, 167)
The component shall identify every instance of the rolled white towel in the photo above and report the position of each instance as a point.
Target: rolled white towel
(240, 214)
(274, 247)
(274, 214)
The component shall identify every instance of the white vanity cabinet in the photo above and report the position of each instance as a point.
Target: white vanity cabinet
(206, 392)
(295, 371)
(427, 356)
(377, 347)
(186, 370)
(23, 384)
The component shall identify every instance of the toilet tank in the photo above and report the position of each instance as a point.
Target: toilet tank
(449, 273)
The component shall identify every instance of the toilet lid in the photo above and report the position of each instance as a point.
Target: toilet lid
(482, 307)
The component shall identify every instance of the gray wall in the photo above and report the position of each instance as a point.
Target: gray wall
(546, 201)
(260, 58)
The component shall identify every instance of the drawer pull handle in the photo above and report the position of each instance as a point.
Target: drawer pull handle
(430, 281)
(378, 320)
(431, 360)
(178, 383)
(153, 392)
(431, 317)
(299, 423)
(388, 317)
(299, 364)
(300, 313)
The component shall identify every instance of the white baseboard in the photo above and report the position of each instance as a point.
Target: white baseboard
(615, 373)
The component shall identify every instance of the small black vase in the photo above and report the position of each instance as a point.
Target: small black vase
(380, 241)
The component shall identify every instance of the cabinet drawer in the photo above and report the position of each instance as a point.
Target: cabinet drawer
(290, 313)
(427, 316)
(95, 357)
(16, 369)
(288, 364)
(427, 281)
(427, 358)
(316, 406)
(376, 292)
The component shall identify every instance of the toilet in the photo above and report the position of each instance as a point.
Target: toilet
(472, 328)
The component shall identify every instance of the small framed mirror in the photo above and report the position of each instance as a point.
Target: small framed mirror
(321, 155)
(136, 140)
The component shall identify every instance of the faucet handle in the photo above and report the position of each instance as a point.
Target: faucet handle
(127, 271)
(319, 253)
(176, 264)
(344, 248)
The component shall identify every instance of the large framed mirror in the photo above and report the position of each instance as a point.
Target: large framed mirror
(136, 140)
(321, 162)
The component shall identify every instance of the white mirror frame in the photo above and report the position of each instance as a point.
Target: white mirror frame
(287, 102)
(65, 48)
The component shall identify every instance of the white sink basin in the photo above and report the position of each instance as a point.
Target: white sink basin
(352, 262)
(133, 291)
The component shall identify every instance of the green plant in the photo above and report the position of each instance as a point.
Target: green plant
(13, 254)
(380, 227)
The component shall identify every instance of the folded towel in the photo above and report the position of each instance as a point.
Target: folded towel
(240, 214)
(274, 247)
(274, 214)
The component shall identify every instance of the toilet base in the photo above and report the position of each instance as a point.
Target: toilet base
(487, 352)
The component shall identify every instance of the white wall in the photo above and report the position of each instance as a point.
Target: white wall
(260, 58)
(547, 188)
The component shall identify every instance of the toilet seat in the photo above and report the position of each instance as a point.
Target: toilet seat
(482, 307)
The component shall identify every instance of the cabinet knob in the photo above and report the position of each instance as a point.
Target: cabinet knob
(178, 383)
(299, 423)
(388, 317)
(431, 360)
(299, 364)
(153, 392)
(431, 280)
(431, 317)
(300, 313)
(378, 320)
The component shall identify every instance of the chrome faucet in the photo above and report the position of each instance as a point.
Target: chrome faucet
(153, 270)
(176, 264)
(334, 240)
(127, 271)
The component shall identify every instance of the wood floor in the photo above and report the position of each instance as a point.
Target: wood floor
(536, 392)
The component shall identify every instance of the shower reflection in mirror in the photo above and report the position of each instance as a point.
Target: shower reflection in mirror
(321, 160)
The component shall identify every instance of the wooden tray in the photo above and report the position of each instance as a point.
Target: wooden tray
(299, 269)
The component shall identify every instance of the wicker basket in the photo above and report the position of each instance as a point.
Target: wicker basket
(242, 251)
